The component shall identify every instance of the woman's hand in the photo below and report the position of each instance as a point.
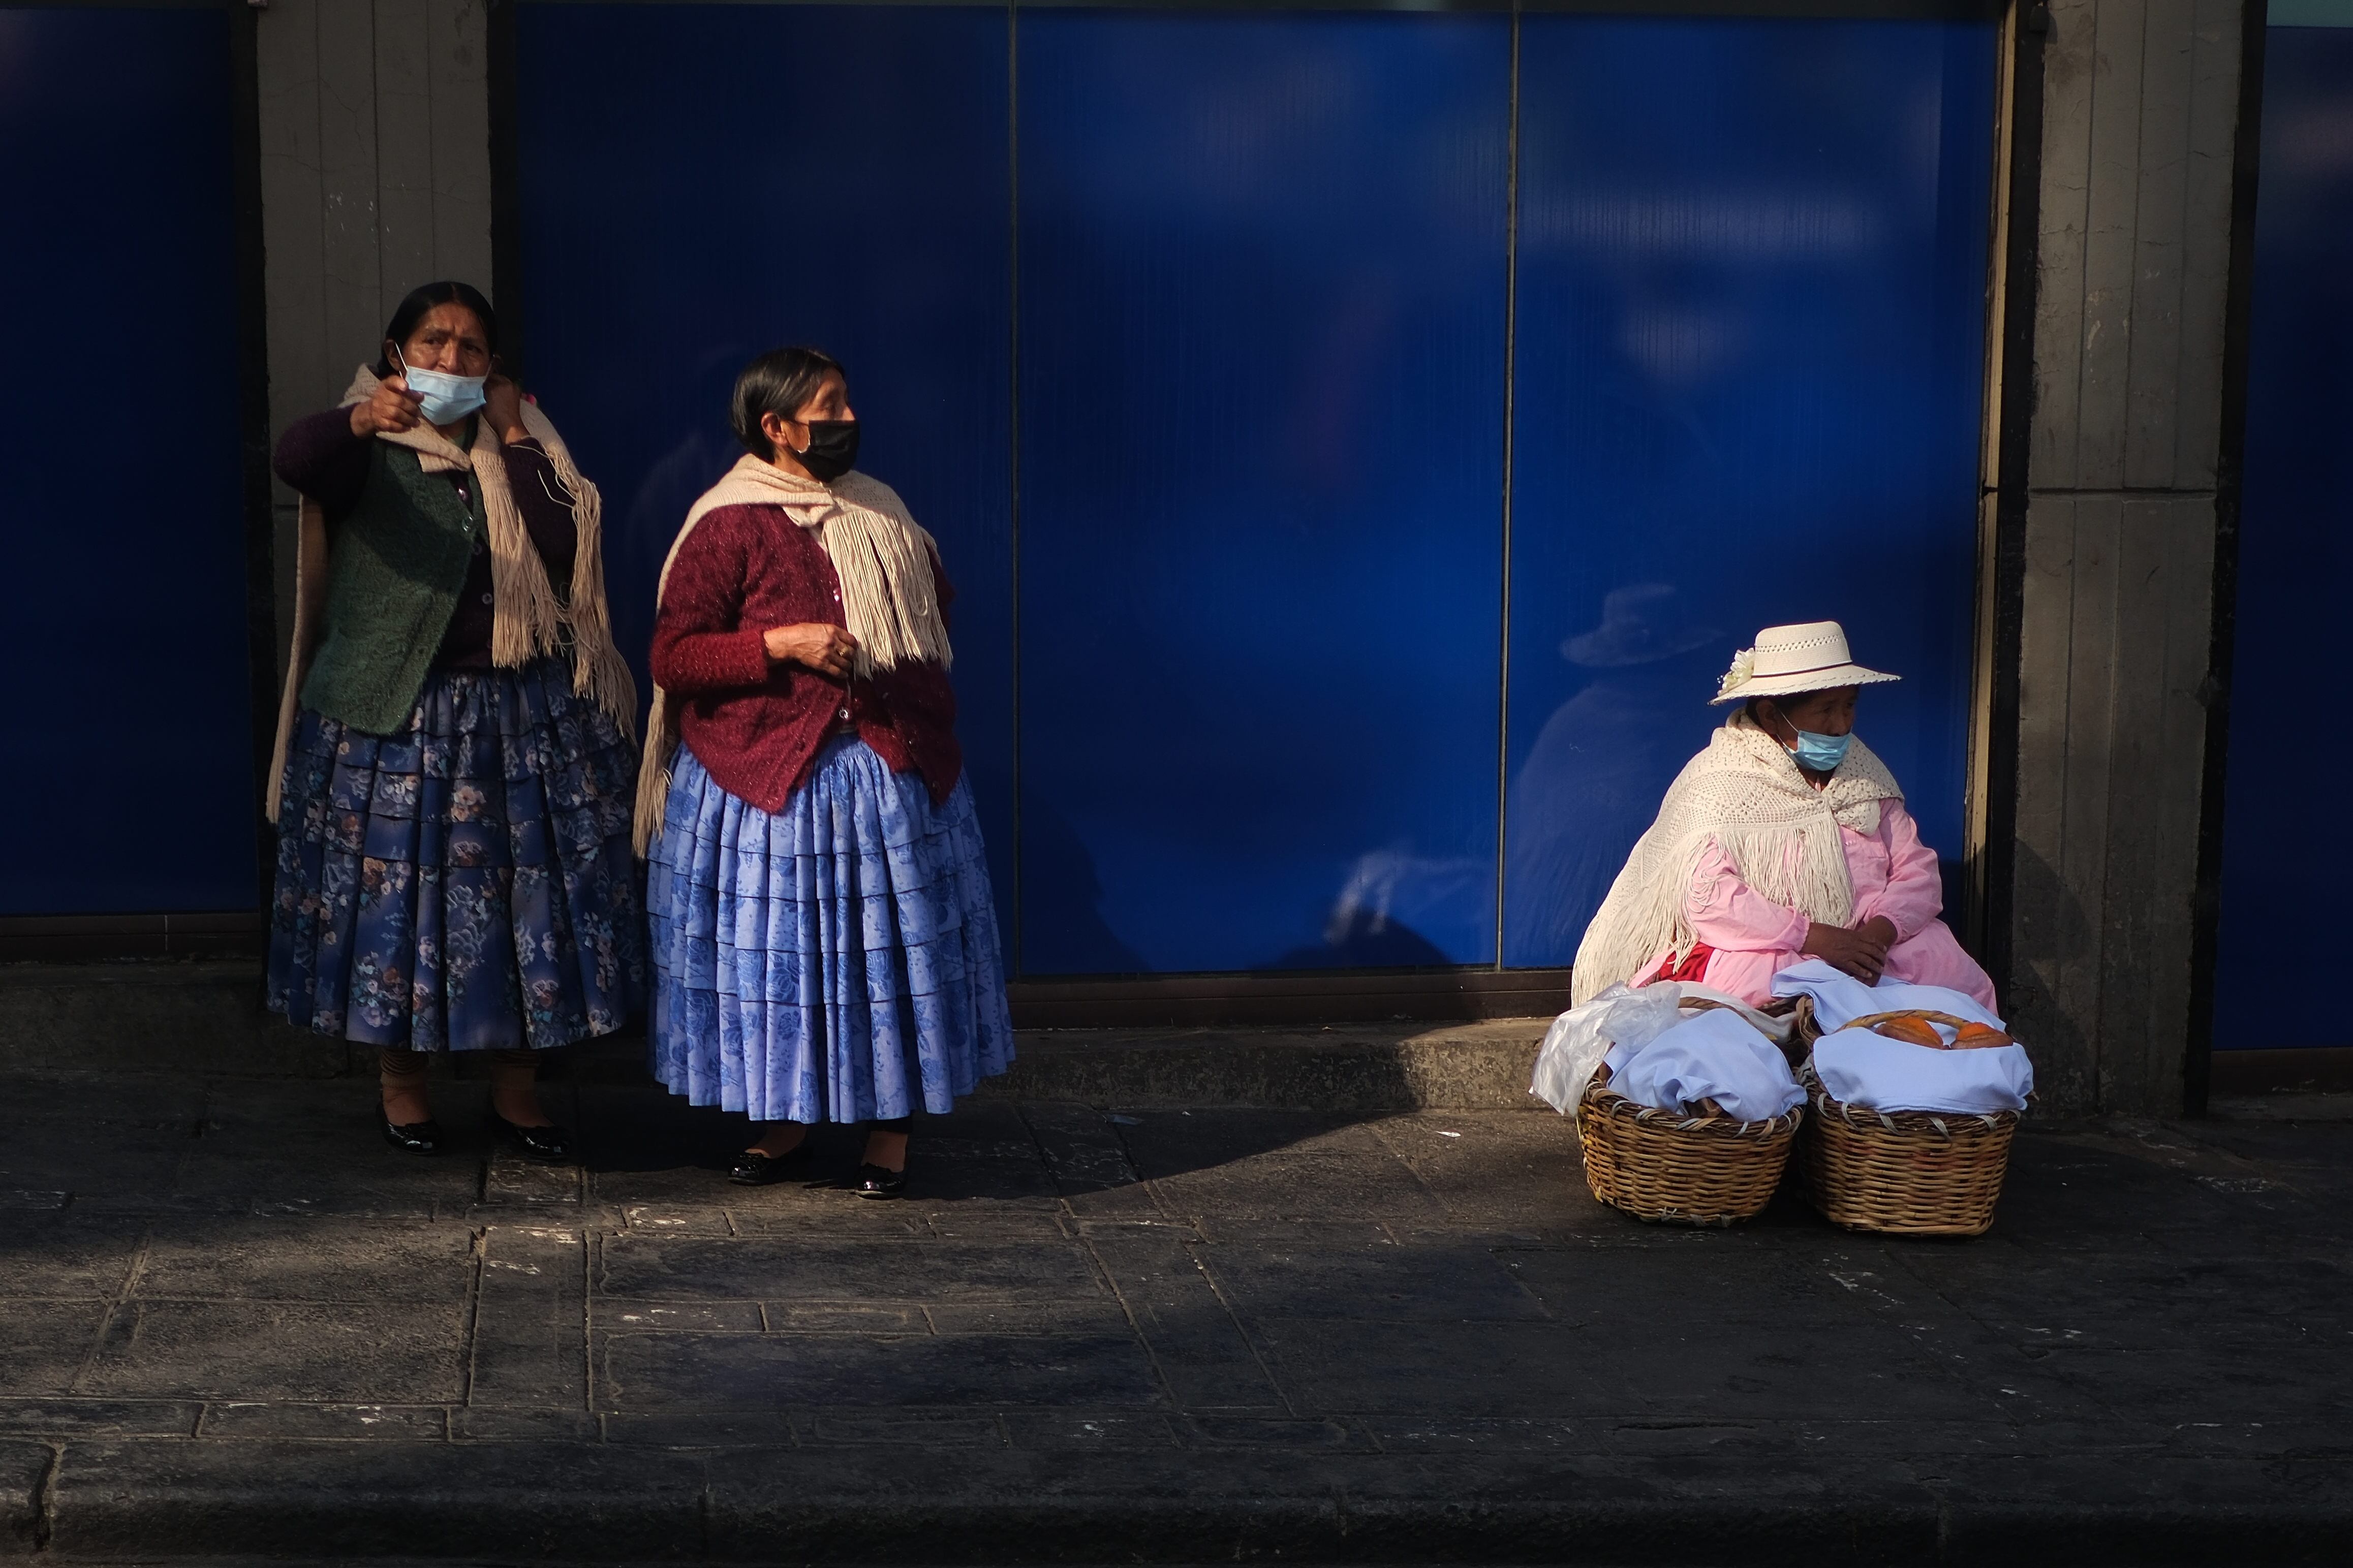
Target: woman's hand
(1860, 953)
(503, 406)
(815, 645)
(392, 407)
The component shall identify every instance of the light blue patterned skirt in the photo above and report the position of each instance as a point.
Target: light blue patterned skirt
(835, 962)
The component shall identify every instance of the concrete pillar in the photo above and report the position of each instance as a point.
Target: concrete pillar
(2139, 110)
(375, 177)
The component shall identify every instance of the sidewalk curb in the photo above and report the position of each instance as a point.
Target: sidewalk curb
(178, 1015)
(898, 1504)
(206, 1016)
(1342, 1069)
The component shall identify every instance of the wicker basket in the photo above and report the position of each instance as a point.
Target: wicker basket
(1682, 1170)
(1907, 1172)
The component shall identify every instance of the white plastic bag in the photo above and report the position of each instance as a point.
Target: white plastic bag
(1578, 1039)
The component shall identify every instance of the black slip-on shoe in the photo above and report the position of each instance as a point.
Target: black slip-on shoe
(551, 1143)
(753, 1168)
(877, 1181)
(412, 1137)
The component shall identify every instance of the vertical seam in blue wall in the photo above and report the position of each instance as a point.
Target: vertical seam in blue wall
(1511, 334)
(1013, 427)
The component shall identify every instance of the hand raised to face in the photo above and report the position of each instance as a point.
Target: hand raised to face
(503, 405)
(392, 407)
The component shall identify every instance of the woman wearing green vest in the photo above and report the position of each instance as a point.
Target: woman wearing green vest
(454, 777)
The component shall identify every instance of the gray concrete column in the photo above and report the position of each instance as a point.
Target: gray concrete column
(2139, 115)
(375, 177)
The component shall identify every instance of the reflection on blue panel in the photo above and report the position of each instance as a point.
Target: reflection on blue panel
(703, 183)
(1262, 317)
(1748, 370)
(128, 778)
(2295, 547)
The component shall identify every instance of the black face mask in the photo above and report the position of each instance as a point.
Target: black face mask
(832, 449)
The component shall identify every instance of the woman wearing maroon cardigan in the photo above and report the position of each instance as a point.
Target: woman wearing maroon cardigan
(824, 945)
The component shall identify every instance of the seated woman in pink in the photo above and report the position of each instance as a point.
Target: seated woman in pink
(1784, 839)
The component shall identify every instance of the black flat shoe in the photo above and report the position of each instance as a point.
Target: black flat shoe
(753, 1168)
(877, 1181)
(412, 1137)
(550, 1142)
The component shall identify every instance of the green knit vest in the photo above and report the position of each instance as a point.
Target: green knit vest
(395, 569)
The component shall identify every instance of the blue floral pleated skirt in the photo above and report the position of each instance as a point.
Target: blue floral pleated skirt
(466, 884)
(835, 962)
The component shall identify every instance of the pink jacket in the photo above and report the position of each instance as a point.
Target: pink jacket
(1895, 877)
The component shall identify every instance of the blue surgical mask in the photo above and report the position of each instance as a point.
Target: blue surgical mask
(448, 399)
(1822, 753)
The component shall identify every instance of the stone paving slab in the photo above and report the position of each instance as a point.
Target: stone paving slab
(234, 1324)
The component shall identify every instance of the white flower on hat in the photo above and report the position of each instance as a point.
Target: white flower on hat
(1744, 665)
(1791, 660)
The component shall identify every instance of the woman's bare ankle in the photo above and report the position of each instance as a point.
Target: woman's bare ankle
(407, 1107)
(519, 1104)
(887, 1149)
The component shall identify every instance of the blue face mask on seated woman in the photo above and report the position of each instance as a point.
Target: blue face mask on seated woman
(1822, 753)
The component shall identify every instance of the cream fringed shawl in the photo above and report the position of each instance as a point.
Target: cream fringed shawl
(1746, 795)
(527, 617)
(882, 557)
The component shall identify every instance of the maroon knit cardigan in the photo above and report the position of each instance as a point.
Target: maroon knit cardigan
(755, 725)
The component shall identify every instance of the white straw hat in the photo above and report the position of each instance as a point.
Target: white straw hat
(1789, 660)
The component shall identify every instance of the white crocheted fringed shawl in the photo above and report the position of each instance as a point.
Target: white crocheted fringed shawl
(1745, 795)
(528, 618)
(881, 555)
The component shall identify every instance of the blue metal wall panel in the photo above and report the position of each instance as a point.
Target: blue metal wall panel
(2296, 549)
(1261, 334)
(1261, 321)
(699, 183)
(127, 777)
(1749, 351)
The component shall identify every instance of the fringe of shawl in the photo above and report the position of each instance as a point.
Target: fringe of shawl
(890, 601)
(527, 617)
(1745, 795)
(309, 589)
